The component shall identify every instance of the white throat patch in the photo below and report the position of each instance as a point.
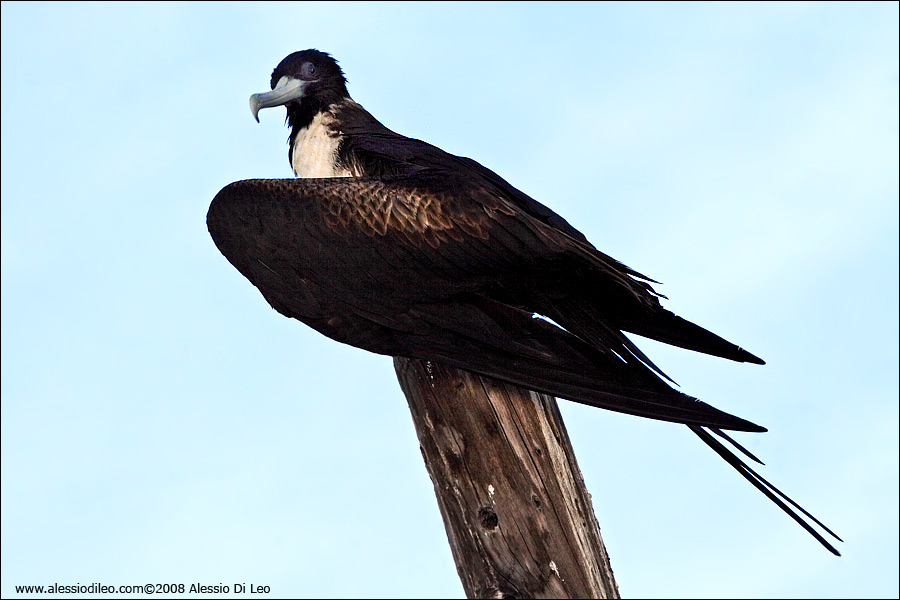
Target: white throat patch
(315, 150)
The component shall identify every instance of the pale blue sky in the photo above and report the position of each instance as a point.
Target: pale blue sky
(160, 423)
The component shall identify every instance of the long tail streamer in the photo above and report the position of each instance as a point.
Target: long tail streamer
(769, 490)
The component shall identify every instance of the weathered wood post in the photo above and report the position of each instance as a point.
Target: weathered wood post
(517, 514)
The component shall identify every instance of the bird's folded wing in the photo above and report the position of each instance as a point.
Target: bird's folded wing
(455, 234)
(410, 261)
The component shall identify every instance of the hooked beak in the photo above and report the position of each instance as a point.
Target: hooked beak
(286, 90)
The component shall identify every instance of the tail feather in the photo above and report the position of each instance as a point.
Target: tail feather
(769, 490)
(734, 443)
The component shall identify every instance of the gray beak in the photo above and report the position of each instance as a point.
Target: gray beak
(286, 90)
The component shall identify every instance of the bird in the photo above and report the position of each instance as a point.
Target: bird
(392, 245)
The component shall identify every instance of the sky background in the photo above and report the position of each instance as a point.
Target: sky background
(162, 424)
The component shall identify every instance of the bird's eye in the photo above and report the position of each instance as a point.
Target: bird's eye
(308, 70)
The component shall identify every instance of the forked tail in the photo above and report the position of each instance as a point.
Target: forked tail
(770, 491)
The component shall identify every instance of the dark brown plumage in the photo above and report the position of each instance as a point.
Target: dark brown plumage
(441, 269)
(399, 248)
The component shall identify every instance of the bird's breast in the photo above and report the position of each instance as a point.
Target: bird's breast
(315, 150)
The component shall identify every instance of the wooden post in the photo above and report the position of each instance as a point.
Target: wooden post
(517, 514)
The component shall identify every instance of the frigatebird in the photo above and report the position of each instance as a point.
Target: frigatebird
(392, 245)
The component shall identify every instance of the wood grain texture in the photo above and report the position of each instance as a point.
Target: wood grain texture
(517, 514)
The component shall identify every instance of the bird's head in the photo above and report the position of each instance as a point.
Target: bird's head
(305, 82)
